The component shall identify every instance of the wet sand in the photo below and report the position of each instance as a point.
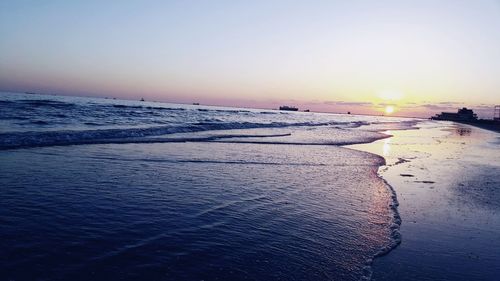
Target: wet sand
(447, 179)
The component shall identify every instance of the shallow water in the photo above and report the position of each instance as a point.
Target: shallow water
(277, 199)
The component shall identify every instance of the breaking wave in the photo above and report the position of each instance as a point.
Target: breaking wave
(13, 140)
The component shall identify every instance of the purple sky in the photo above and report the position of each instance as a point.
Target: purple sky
(421, 57)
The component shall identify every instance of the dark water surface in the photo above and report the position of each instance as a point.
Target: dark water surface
(190, 211)
(95, 189)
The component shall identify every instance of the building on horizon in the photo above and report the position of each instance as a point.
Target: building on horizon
(463, 114)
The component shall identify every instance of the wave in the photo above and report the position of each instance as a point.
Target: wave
(48, 103)
(14, 140)
(165, 108)
(2, 102)
(334, 142)
(394, 227)
(398, 125)
(39, 122)
(30, 103)
(126, 106)
(208, 161)
(232, 111)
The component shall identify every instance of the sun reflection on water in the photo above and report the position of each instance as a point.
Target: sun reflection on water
(386, 149)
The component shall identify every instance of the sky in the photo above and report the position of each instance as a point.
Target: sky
(418, 57)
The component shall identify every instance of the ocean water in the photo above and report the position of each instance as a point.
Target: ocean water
(100, 189)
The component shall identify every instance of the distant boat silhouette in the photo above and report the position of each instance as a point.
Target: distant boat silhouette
(288, 108)
(142, 99)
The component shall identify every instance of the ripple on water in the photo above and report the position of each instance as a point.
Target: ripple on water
(86, 214)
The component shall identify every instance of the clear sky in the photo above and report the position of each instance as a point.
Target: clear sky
(418, 56)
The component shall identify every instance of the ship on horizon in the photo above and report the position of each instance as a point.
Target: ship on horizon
(289, 108)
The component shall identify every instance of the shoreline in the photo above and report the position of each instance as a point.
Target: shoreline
(430, 168)
(395, 235)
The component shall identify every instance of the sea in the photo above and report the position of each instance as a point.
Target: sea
(105, 189)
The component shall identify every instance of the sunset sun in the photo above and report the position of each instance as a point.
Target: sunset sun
(389, 109)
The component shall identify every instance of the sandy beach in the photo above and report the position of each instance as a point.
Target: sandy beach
(447, 179)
